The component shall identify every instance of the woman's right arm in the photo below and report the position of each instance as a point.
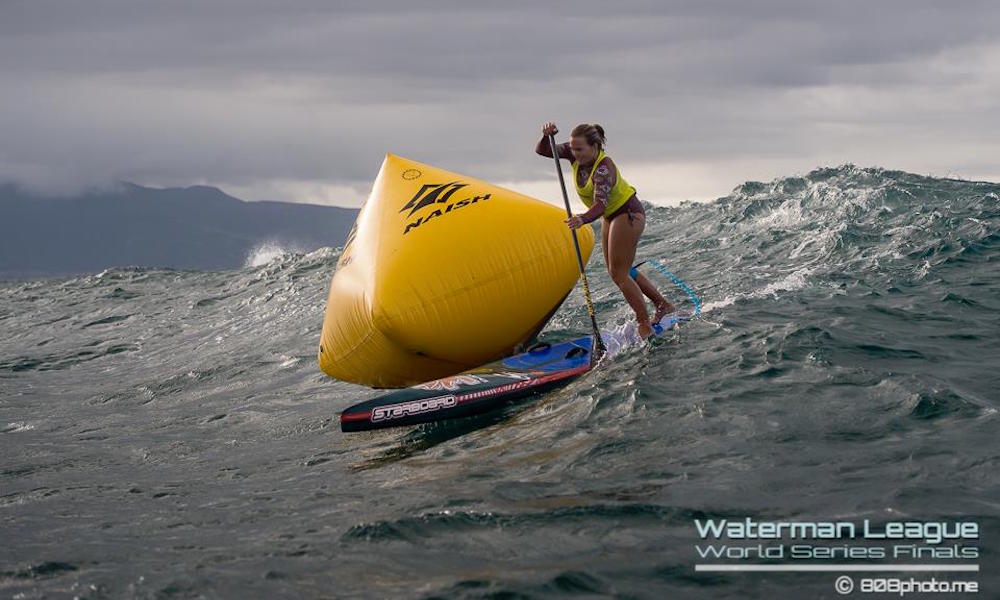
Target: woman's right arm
(544, 149)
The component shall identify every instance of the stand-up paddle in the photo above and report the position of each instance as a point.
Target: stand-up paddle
(599, 348)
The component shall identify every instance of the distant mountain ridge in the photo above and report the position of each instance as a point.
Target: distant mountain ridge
(197, 227)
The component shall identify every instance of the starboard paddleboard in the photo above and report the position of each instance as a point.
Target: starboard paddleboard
(542, 368)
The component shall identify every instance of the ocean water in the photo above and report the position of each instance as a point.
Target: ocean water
(168, 434)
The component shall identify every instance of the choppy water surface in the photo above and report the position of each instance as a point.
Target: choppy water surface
(168, 434)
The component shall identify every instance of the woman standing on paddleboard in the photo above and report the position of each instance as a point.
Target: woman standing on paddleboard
(606, 193)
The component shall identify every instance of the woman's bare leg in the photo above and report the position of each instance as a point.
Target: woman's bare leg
(623, 237)
(649, 290)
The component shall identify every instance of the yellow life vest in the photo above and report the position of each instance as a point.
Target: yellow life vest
(619, 195)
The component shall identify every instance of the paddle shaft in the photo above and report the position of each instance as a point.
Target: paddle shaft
(576, 244)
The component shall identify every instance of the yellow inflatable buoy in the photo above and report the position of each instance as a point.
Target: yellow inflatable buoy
(442, 273)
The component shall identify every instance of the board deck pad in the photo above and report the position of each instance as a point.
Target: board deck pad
(542, 368)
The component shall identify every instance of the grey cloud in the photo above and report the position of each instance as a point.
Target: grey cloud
(242, 91)
(522, 41)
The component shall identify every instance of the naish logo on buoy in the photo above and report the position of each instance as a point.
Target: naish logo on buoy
(433, 194)
(416, 407)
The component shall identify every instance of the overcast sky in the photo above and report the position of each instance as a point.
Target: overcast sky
(299, 100)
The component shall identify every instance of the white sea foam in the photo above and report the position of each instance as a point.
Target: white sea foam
(791, 282)
(17, 427)
(264, 253)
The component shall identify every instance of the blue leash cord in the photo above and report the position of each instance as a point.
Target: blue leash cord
(679, 283)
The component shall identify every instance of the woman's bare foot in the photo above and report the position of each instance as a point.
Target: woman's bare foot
(645, 330)
(662, 310)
